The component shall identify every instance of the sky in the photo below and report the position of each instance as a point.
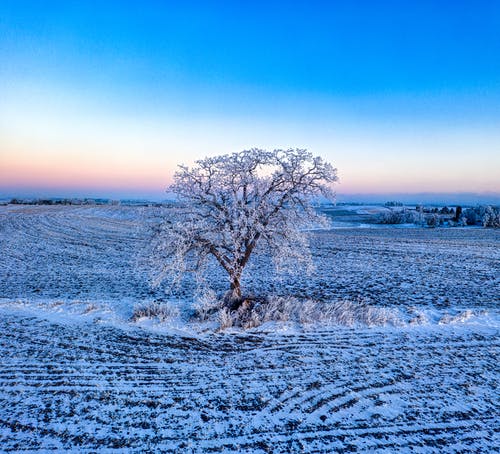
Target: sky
(104, 99)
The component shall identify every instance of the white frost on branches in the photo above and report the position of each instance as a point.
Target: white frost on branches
(229, 204)
(491, 217)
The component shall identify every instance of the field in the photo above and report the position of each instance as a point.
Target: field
(77, 374)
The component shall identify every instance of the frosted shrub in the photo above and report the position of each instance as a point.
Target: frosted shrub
(158, 310)
(458, 318)
(390, 217)
(404, 216)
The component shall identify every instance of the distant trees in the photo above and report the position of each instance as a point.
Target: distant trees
(393, 203)
(232, 203)
(63, 201)
(404, 216)
(488, 216)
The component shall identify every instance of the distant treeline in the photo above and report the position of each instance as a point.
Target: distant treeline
(17, 201)
(77, 201)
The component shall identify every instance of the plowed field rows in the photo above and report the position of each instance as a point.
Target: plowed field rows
(82, 384)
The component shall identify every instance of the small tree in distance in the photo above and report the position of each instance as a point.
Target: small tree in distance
(231, 203)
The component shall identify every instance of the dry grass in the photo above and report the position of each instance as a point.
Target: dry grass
(91, 307)
(346, 313)
(155, 310)
(207, 306)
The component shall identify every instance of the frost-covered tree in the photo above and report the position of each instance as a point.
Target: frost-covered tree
(471, 216)
(404, 216)
(232, 203)
(433, 220)
(491, 217)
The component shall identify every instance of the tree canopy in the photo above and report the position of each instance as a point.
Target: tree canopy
(229, 204)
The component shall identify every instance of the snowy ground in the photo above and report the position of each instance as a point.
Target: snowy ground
(75, 374)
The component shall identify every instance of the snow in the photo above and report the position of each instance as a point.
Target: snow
(77, 374)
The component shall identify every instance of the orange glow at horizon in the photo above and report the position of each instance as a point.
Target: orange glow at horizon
(81, 171)
(43, 165)
(74, 149)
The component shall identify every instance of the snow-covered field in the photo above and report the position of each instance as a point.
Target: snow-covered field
(77, 374)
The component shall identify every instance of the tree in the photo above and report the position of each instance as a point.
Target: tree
(491, 217)
(433, 220)
(232, 203)
(470, 216)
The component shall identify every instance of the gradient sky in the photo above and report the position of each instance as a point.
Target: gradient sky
(105, 100)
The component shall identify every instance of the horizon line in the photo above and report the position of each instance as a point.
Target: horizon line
(451, 198)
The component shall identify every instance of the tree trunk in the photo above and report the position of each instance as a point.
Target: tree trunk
(233, 296)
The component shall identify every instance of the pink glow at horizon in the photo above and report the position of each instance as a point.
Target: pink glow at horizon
(97, 171)
(54, 146)
(80, 172)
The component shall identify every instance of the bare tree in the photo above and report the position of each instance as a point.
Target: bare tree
(231, 203)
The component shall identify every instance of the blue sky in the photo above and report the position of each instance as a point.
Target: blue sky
(400, 96)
